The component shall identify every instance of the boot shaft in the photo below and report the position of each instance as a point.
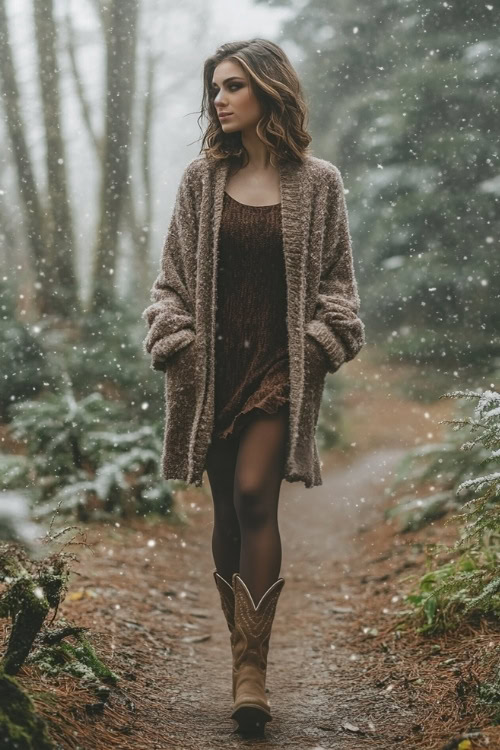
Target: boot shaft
(250, 643)
(253, 624)
(226, 599)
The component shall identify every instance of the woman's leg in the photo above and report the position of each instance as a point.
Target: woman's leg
(257, 481)
(226, 538)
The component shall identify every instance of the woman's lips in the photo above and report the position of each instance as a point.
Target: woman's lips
(223, 117)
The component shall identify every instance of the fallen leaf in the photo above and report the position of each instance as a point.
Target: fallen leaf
(199, 613)
(195, 638)
(350, 727)
(77, 594)
(74, 596)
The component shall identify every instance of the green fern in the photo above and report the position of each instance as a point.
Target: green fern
(469, 584)
(87, 457)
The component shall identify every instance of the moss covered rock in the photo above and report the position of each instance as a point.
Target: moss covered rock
(20, 726)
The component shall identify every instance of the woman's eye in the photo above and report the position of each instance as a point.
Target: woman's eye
(231, 86)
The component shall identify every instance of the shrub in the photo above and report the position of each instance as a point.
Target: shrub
(86, 455)
(469, 584)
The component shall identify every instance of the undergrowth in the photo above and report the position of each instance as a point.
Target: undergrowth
(467, 584)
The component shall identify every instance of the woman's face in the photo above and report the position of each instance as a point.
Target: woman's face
(232, 93)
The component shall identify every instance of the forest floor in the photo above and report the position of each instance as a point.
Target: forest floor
(339, 675)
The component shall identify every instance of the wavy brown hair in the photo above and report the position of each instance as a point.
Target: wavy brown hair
(278, 89)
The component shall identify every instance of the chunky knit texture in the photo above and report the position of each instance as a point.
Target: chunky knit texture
(251, 349)
(322, 304)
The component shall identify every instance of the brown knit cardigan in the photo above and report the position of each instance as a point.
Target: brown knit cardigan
(322, 303)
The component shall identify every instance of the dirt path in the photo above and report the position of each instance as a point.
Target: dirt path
(168, 630)
(337, 677)
(308, 703)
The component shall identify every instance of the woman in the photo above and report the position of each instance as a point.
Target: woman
(256, 300)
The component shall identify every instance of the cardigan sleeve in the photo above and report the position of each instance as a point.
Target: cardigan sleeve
(170, 318)
(336, 325)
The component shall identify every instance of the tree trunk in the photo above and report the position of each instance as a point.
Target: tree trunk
(59, 220)
(120, 35)
(37, 235)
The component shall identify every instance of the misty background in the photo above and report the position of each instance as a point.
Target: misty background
(99, 116)
(99, 107)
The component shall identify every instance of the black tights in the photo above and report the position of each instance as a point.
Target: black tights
(245, 474)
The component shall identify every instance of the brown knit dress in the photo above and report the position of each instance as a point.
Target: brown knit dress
(251, 344)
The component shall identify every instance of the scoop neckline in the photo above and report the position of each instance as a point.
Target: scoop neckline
(248, 205)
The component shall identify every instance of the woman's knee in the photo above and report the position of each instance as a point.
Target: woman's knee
(252, 505)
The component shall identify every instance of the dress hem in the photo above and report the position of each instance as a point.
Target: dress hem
(269, 405)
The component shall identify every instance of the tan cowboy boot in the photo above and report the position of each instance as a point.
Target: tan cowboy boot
(250, 641)
(226, 599)
(227, 602)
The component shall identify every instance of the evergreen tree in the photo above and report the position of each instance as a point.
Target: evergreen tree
(403, 98)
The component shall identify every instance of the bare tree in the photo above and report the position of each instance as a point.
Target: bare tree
(82, 98)
(138, 214)
(37, 233)
(58, 212)
(120, 30)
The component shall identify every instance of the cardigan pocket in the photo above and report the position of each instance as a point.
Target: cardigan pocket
(180, 357)
(315, 371)
(315, 355)
(181, 398)
(328, 342)
(168, 346)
